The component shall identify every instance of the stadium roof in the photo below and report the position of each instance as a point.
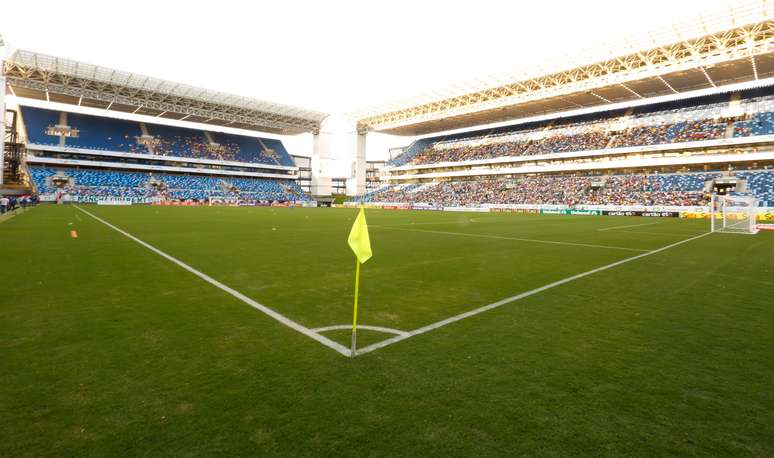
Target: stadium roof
(723, 48)
(40, 76)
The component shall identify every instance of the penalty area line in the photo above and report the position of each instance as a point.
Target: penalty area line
(515, 298)
(260, 307)
(630, 225)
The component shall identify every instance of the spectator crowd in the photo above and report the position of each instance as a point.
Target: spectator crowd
(670, 126)
(559, 190)
(92, 185)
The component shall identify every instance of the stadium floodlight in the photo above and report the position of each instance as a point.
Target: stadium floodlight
(734, 214)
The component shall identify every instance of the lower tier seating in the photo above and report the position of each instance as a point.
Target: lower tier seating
(658, 189)
(92, 185)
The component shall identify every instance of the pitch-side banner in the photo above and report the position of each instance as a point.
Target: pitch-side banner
(465, 209)
(426, 207)
(571, 212)
(114, 202)
(651, 214)
(767, 215)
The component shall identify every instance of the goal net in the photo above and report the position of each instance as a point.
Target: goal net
(734, 214)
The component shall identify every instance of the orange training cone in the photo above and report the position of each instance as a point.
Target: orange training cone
(74, 234)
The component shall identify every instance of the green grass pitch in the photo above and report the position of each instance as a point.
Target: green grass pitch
(107, 348)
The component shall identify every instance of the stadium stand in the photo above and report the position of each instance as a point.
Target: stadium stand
(91, 185)
(673, 122)
(275, 150)
(105, 134)
(760, 183)
(40, 120)
(631, 189)
(108, 134)
(415, 148)
(176, 141)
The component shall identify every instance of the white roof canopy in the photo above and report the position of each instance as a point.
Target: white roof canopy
(44, 75)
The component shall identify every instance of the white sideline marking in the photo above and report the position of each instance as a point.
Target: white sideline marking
(551, 242)
(7, 216)
(459, 222)
(414, 224)
(281, 318)
(674, 234)
(517, 297)
(361, 326)
(630, 225)
(11, 213)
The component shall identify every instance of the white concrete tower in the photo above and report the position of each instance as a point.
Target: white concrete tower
(339, 152)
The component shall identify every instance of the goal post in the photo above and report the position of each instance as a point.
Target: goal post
(734, 214)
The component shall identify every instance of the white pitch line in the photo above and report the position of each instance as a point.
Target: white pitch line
(266, 310)
(7, 216)
(631, 225)
(414, 224)
(674, 234)
(501, 237)
(449, 223)
(337, 327)
(555, 218)
(517, 297)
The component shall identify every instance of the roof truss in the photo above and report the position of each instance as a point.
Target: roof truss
(53, 75)
(743, 42)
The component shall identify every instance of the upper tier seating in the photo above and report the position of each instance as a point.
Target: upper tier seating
(109, 134)
(413, 149)
(176, 141)
(40, 120)
(672, 122)
(106, 134)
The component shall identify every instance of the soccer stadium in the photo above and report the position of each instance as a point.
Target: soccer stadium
(212, 256)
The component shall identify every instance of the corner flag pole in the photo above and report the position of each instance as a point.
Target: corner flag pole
(360, 243)
(354, 313)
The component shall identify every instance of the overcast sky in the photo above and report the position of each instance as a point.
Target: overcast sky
(333, 56)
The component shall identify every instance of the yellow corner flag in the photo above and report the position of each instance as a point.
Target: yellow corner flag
(361, 245)
(358, 238)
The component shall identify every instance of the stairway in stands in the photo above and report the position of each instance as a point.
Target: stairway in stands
(16, 177)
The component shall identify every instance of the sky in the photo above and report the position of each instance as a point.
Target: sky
(332, 56)
(338, 56)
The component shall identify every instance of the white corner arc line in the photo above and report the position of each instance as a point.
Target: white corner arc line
(518, 239)
(630, 225)
(337, 327)
(517, 297)
(260, 307)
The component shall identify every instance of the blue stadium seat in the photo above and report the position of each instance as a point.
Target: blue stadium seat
(105, 134)
(686, 189)
(37, 122)
(108, 134)
(760, 184)
(91, 184)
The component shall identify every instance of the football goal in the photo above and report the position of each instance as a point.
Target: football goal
(734, 214)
